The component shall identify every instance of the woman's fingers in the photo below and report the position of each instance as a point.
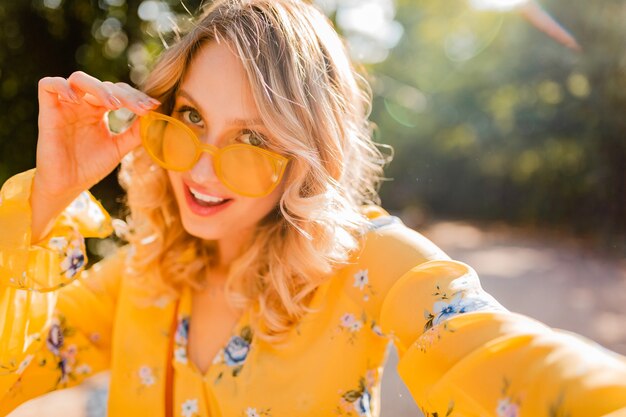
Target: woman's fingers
(83, 89)
(132, 98)
(110, 95)
(88, 85)
(54, 89)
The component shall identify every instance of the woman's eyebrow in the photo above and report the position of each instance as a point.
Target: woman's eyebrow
(246, 122)
(232, 122)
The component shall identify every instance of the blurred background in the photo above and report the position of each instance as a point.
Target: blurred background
(508, 133)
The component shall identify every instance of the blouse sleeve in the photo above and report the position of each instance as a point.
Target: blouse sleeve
(462, 353)
(55, 318)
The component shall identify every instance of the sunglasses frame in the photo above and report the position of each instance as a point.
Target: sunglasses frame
(277, 160)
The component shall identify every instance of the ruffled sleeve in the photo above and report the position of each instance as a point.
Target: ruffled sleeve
(55, 318)
(462, 353)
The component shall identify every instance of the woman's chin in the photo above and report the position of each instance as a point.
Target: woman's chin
(203, 235)
(202, 231)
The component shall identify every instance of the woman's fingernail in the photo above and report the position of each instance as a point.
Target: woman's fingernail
(147, 104)
(113, 101)
(155, 101)
(74, 97)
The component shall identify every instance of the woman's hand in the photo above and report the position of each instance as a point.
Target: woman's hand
(75, 149)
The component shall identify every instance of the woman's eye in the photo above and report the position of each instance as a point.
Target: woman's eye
(251, 138)
(192, 116)
(189, 115)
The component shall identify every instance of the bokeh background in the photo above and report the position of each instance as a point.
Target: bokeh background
(509, 146)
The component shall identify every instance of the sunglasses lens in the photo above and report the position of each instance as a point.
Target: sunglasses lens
(248, 170)
(245, 169)
(171, 145)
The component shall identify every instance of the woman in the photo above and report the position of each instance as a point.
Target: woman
(260, 278)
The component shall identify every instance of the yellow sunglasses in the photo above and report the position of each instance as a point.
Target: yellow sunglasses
(245, 169)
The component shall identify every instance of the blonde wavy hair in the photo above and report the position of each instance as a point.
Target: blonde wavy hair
(316, 104)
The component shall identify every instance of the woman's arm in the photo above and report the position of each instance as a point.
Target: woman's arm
(55, 339)
(462, 353)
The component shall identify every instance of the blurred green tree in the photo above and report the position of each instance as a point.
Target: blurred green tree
(493, 120)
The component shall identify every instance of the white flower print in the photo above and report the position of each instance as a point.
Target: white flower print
(350, 322)
(58, 243)
(347, 320)
(219, 357)
(507, 409)
(162, 302)
(145, 371)
(180, 355)
(190, 407)
(428, 339)
(356, 326)
(83, 369)
(95, 213)
(24, 364)
(94, 337)
(251, 412)
(79, 204)
(146, 376)
(377, 330)
(71, 350)
(361, 279)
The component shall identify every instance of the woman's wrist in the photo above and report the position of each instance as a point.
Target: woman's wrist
(45, 208)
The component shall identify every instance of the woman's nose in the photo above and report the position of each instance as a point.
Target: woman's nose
(203, 171)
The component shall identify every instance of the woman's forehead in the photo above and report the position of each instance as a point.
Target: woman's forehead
(217, 83)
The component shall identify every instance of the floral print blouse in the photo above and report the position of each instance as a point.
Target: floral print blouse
(461, 352)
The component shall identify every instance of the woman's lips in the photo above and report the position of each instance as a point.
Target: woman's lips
(203, 208)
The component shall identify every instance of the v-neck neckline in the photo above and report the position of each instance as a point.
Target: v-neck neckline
(184, 312)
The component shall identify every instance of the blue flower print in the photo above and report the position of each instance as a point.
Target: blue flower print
(362, 405)
(73, 262)
(358, 400)
(383, 221)
(66, 361)
(459, 302)
(182, 331)
(234, 354)
(180, 339)
(236, 351)
(458, 305)
(54, 341)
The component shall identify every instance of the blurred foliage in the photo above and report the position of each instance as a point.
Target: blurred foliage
(105, 38)
(490, 118)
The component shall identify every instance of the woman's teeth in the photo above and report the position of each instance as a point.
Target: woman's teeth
(205, 197)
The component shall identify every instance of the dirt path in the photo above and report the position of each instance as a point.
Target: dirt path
(559, 283)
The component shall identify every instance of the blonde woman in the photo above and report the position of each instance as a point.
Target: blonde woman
(260, 278)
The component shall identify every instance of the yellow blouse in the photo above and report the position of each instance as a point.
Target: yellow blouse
(461, 353)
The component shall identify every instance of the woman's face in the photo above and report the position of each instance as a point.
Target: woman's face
(215, 100)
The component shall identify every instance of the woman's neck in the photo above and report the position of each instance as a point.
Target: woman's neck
(229, 249)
